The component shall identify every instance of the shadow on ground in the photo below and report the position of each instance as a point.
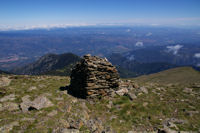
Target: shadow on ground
(73, 93)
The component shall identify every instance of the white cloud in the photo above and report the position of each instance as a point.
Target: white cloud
(174, 49)
(198, 65)
(197, 55)
(132, 57)
(139, 44)
(30, 27)
(149, 34)
(128, 30)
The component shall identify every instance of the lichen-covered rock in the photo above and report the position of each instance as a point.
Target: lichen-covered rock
(4, 81)
(93, 77)
(37, 104)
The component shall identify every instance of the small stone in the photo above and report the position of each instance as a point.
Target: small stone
(145, 104)
(52, 113)
(143, 89)
(187, 90)
(32, 88)
(121, 92)
(28, 119)
(110, 104)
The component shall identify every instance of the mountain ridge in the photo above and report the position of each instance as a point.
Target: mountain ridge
(47, 63)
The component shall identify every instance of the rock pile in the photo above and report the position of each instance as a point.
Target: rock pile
(93, 77)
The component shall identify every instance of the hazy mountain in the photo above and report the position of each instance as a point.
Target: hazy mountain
(49, 63)
(179, 54)
(138, 68)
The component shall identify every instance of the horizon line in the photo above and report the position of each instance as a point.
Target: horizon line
(53, 26)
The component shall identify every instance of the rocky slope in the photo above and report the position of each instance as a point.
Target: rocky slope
(40, 104)
(3, 72)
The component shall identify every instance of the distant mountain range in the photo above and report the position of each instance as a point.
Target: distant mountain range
(179, 46)
(53, 64)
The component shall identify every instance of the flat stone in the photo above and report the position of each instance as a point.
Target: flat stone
(41, 102)
(38, 103)
(10, 97)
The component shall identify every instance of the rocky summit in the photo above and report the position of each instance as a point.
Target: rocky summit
(147, 104)
(93, 77)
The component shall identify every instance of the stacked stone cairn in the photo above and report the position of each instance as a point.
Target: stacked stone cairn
(93, 77)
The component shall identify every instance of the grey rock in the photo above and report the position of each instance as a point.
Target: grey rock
(41, 102)
(10, 97)
(143, 89)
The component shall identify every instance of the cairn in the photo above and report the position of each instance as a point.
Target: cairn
(93, 77)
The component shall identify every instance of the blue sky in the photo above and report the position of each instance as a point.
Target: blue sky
(16, 13)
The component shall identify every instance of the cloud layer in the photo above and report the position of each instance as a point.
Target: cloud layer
(139, 44)
(197, 55)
